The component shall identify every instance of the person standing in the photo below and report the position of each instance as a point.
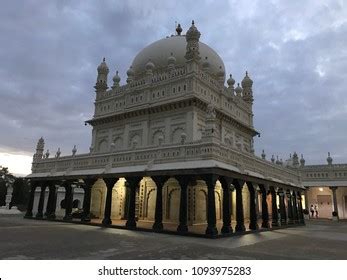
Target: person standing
(312, 210)
(316, 210)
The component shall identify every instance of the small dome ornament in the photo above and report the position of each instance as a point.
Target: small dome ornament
(193, 32)
(130, 71)
(171, 59)
(130, 74)
(247, 82)
(295, 160)
(57, 155)
(238, 90)
(329, 159)
(179, 29)
(273, 159)
(103, 68)
(277, 161)
(47, 154)
(116, 80)
(231, 81)
(74, 150)
(302, 161)
(150, 65)
(263, 155)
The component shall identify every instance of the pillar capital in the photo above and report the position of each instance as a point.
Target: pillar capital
(226, 182)
(183, 180)
(160, 180)
(132, 181)
(238, 183)
(89, 181)
(264, 188)
(333, 188)
(110, 182)
(210, 180)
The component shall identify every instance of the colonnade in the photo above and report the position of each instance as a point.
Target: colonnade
(289, 198)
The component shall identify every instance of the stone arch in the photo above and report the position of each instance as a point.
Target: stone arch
(135, 138)
(245, 202)
(115, 204)
(155, 137)
(76, 203)
(118, 199)
(98, 198)
(118, 143)
(150, 204)
(63, 204)
(102, 146)
(201, 206)
(218, 199)
(176, 135)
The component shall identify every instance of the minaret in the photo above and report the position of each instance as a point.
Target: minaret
(238, 91)
(295, 160)
(116, 80)
(101, 81)
(192, 38)
(130, 74)
(39, 149)
(247, 93)
(329, 159)
(231, 83)
(302, 161)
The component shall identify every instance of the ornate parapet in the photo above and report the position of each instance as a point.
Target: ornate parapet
(320, 175)
(172, 156)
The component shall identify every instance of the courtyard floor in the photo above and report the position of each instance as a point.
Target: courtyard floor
(32, 239)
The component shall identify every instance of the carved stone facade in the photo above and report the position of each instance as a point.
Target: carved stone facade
(173, 145)
(326, 188)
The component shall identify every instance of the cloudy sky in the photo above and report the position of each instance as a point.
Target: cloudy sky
(295, 52)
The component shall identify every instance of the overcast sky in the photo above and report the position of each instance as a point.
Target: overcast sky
(295, 52)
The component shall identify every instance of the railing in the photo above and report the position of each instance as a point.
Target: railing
(166, 154)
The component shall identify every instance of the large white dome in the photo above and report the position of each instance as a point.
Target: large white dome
(159, 52)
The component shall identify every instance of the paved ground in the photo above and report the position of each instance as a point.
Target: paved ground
(30, 239)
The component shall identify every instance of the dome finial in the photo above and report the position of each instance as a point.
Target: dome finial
(193, 22)
(179, 29)
(104, 59)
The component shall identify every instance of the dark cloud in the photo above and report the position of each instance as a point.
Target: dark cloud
(294, 51)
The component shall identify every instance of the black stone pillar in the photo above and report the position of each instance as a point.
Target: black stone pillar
(253, 223)
(300, 212)
(226, 185)
(68, 200)
(275, 222)
(306, 198)
(88, 184)
(29, 212)
(108, 205)
(132, 183)
(334, 189)
(290, 208)
(52, 202)
(240, 225)
(183, 181)
(158, 217)
(39, 213)
(211, 230)
(264, 208)
(282, 208)
(295, 209)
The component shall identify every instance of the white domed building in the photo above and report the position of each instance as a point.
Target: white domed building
(171, 149)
